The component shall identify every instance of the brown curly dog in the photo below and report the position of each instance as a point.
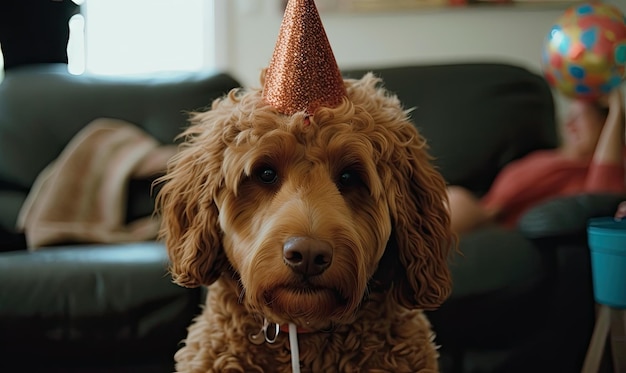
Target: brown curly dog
(335, 222)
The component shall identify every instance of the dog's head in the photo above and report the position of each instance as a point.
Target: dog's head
(308, 213)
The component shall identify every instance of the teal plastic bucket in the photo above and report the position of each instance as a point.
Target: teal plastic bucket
(607, 243)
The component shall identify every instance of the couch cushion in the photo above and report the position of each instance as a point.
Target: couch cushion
(498, 273)
(113, 302)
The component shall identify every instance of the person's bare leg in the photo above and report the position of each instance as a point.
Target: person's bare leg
(621, 211)
(466, 212)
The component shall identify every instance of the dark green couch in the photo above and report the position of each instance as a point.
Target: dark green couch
(79, 307)
(522, 299)
(521, 302)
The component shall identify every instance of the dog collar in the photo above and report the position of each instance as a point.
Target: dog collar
(269, 332)
(274, 330)
(300, 330)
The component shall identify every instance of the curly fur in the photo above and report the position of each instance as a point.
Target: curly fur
(357, 177)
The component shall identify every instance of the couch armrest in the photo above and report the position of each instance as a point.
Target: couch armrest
(567, 216)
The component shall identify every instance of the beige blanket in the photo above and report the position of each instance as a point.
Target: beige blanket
(82, 195)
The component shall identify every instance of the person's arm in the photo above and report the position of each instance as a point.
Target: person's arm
(606, 171)
(610, 148)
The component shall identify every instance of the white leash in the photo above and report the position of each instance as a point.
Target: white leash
(295, 352)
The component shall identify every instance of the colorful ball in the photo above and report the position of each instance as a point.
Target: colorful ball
(584, 54)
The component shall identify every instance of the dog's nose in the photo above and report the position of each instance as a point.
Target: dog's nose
(307, 256)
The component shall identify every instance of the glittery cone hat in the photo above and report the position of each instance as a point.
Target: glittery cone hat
(303, 74)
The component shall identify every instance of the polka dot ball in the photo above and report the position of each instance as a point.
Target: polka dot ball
(584, 54)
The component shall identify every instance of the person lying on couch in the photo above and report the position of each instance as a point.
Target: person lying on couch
(590, 159)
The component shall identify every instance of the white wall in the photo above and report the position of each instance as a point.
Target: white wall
(513, 34)
(371, 39)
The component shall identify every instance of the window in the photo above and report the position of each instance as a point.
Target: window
(141, 36)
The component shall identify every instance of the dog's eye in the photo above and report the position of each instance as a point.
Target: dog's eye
(348, 178)
(267, 175)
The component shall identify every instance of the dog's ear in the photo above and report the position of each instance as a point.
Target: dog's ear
(185, 201)
(422, 238)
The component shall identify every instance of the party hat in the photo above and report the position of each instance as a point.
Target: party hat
(303, 74)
